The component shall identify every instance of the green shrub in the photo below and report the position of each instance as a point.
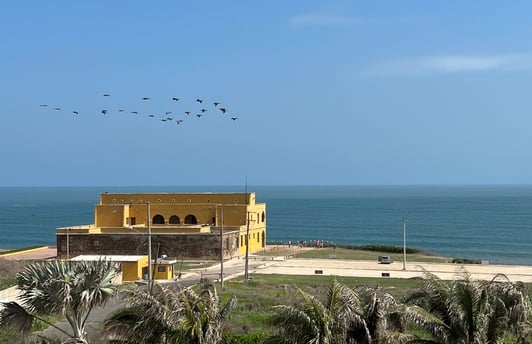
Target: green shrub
(247, 338)
(382, 248)
(465, 261)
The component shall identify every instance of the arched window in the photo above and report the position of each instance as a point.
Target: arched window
(263, 239)
(263, 216)
(174, 220)
(158, 220)
(191, 220)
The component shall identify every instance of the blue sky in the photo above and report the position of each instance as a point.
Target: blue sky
(326, 92)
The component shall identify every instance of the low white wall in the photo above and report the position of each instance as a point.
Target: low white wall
(9, 294)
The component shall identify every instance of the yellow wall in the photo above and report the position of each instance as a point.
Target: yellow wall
(163, 271)
(109, 216)
(132, 271)
(192, 198)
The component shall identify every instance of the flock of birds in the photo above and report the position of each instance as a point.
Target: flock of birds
(168, 116)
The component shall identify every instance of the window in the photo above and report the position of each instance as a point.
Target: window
(161, 269)
(191, 220)
(174, 220)
(158, 220)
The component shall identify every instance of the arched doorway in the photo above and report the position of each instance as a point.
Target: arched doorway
(158, 220)
(191, 220)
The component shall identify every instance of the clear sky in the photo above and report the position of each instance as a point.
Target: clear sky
(325, 92)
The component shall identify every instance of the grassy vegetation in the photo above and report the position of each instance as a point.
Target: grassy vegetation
(10, 335)
(8, 271)
(350, 254)
(256, 297)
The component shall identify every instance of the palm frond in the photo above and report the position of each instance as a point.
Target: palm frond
(14, 315)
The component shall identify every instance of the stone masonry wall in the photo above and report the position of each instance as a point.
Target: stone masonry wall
(181, 246)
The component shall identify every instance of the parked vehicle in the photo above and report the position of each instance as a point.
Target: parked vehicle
(385, 259)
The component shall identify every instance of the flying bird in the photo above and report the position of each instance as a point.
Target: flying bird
(187, 112)
(179, 121)
(199, 100)
(75, 112)
(216, 104)
(203, 110)
(104, 112)
(234, 118)
(106, 94)
(175, 99)
(146, 98)
(120, 110)
(199, 115)
(57, 108)
(224, 110)
(135, 112)
(151, 115)
(43, 105)
(168, 112)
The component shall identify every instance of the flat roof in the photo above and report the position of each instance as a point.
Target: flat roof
(113, 258)
(161, 261)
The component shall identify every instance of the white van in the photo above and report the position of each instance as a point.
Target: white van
(385, 259)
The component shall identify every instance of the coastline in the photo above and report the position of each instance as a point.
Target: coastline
(485, 223)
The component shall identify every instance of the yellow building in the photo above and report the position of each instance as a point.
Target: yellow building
(163, 269)
(181, 225)
(132, 268)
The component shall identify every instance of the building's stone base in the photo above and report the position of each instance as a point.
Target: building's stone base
(180, 246)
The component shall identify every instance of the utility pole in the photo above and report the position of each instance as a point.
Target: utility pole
(150, 282)
(68, 244)
(404, 243)
(222, 248)
(246, 271)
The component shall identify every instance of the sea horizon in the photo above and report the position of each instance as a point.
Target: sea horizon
(487, 222)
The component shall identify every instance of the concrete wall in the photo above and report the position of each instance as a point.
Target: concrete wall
(181, 246)
(8, 295)
(132, 271)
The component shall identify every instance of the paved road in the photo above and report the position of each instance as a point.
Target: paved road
(41, 253)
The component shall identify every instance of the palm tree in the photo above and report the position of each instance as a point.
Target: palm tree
(346, 316)
(170, 316)
(383, 315)
(514, 303)
(466, 311)
(71, 289)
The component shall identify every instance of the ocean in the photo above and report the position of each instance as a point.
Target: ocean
(492, 223)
